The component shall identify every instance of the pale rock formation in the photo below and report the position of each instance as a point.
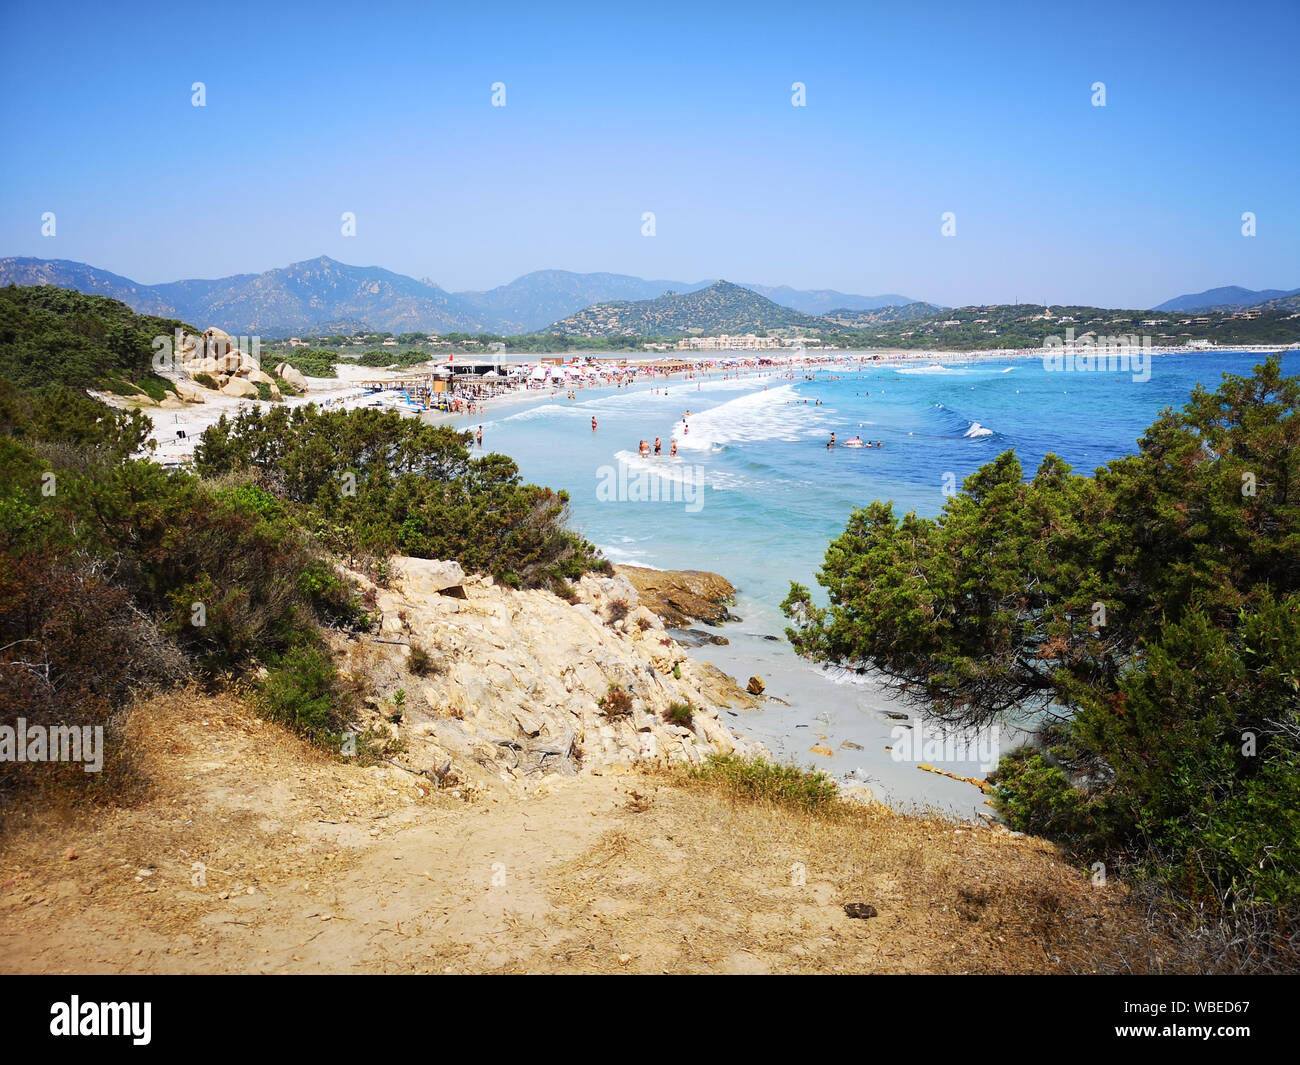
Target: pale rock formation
(516, 677)
(190, 391)
(240, 387)
(292, 376)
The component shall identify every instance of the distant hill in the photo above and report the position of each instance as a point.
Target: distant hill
(820, 301)
(318, 296)
(64, 273)
(535, 300)
(306, 297)
(1230, 297)
(863, 319)
(720, 308)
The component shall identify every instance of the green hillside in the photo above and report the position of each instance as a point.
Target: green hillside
(720, 308)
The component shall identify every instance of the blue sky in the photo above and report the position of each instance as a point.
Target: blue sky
(384, 109)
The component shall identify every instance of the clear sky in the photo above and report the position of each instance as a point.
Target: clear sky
(913, 109)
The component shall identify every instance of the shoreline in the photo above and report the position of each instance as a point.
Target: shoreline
(176, 426)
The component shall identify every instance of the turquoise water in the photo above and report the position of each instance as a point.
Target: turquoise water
(771, 495)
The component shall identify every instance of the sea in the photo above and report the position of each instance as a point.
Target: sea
(754, 494)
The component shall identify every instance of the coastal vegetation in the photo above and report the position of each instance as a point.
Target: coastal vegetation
(1146, 619)
(758, 780)
(313, 362)
(58, 337)
(117, 575)
(372, 483)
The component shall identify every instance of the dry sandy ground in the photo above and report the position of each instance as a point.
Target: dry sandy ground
(318, 865)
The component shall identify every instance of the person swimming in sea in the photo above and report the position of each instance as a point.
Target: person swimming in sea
(832, 442)
(672, 448)
(643, 448)
(479, 436)
(593, 423)
(658, 447)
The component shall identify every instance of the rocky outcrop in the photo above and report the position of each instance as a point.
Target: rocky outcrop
(240, 387)
(292, 376)
(190, 391)
(514, 685)
(236, 373)
(426, 574)
(682, 596)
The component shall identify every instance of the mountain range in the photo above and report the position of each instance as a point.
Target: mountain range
(1228, 298)
(321, 296)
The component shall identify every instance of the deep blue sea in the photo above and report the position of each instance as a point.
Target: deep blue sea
(755, 494)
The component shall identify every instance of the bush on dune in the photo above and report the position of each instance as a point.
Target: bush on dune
(1149, 616)
(371, 482)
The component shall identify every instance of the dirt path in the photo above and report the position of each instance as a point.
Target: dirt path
(312, 865)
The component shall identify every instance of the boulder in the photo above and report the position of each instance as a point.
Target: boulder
(257, 376)
(680, 596)
(415, 575)
(755, 686)
(240, 388)
(217, 341)
(191, 391)
(292, 376)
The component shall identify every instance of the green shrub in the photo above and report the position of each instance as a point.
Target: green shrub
(263, 391)
(55, 336)
(1037, 797)
(206, 380)
(121, 388)
(756, 779)
(155, 387)
(331, 597)
(313, 362)
(303, 692)
(1151, 611)
(375, 483)
(680, 714)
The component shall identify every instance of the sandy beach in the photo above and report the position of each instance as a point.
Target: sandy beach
(176, 428)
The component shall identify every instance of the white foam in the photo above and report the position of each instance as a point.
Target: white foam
(977, 430)
(933, 368)
(767, 414)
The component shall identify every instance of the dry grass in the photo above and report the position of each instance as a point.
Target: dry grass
(355, 869)
(706, 882)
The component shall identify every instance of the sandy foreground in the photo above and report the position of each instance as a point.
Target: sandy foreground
(253, 852)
